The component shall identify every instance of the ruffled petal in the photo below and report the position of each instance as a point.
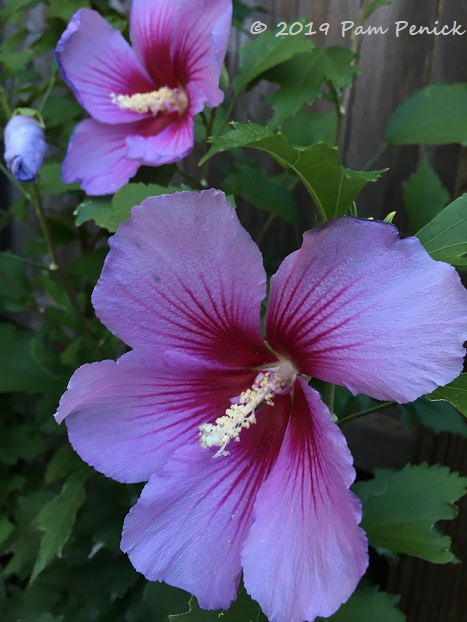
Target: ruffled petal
(183, 42)
(97, 157)
(190, 522)
(182, 273)
(172, 143)
(305, 553)
(96, 61)
(125, 418)
(360, 307)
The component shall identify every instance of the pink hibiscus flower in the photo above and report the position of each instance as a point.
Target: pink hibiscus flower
(245, 468)
(142, 100)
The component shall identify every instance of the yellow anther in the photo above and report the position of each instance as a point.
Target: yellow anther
(241, 415)
(162, 100)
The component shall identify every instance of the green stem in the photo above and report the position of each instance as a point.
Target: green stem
(329, 391)
(376, 157)
(16, 183)
(55, 263)
(28, 262)
(270, 219)
(4, 103)
(364, 413)
(48, 90)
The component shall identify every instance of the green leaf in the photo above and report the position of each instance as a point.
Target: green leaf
(244, 609)
(424, 196)
(65, 10)
(333, 187)
(437, 415)
(434, 115)
(263, 53)
(307, 128)
(445, 237)
(268, 194)
(368, 605)
(23, 372)
(134, 194)
(56, 520)
(15, 288)
(376, 4)
(300, 79)
(109, 213)
(455, 393)
(98, 209)
(401, 508)
(50, 181)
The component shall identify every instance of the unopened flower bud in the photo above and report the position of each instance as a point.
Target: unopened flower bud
(25, 147)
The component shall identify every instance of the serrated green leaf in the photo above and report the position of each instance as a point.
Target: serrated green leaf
(333, 187)
(401, 508)
(455, 393)
(56, 520)
(263, 53)
(268, 194)
(98, 209)
(434, 115)
(424, 196)
(368, 604)
(445, 237)
(244, 609)
(439, 415)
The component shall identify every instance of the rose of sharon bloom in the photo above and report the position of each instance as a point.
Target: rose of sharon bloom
(142, 100)
(25, 147)
(245, 468)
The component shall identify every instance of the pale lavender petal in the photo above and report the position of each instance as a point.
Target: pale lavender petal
(190, 522)
(170, 144)
(305, 553)
(97, 157)
(183, 42)
(96, 61)
(182, 273)
(360, 307)
(126, 418)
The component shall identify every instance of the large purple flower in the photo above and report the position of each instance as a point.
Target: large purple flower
(142, 100)
(182, 285)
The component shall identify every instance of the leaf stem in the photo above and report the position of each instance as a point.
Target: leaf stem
(55, 263)
(329, 391)
(364, 413)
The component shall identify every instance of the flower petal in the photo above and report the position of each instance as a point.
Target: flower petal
(183, 42)
(97, 157)
(305, 553)
(96, 61)
(189, 524)
(170, 144)
(125, 418)
(183, 274)
(360, 307)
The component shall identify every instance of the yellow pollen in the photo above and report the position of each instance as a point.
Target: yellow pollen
(162, 100)
(241, 415)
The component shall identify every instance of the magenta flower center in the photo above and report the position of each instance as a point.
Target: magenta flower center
(277, 379)
(163, 100)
